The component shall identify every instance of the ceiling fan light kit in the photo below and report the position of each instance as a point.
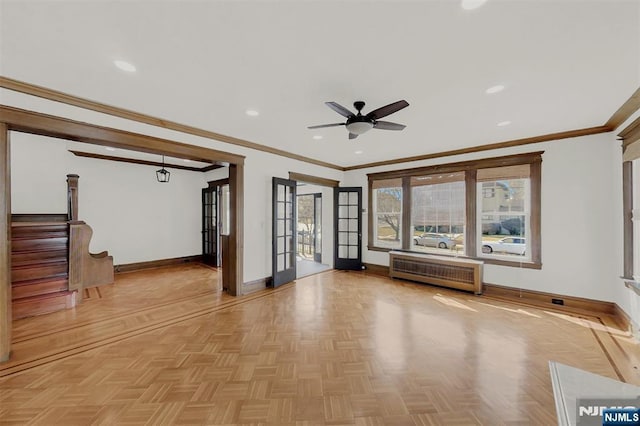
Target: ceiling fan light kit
(359, 127)
(358, 124)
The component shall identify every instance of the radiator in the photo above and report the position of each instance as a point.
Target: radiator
(453, 272)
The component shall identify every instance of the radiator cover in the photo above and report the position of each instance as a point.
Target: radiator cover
(461, 274)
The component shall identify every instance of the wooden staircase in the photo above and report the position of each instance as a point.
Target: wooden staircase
(40, 266)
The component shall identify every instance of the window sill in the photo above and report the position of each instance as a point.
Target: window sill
(384, 249)
(515, 264)
(501, 262)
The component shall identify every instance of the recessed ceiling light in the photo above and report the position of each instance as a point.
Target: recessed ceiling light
(358, 152)
(495, 89)
(125, 66)
(472, 4)
(504, 123)
(252, 113)
(110, 149)
(317, 137)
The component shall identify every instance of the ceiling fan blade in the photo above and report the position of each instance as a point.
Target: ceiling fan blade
(388, 109)
(339, 109)
(320, 126)
(352, 136)
(387, 125)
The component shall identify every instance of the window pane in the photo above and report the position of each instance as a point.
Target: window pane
(387, 204)
(353, 252)
(504, 195)
(503, 212)
(225, 212)
(353, 239)
(438, 213)
(343, 238)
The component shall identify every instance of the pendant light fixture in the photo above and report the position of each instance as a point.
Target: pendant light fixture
(163, 174)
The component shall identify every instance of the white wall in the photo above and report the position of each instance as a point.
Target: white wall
(581, 218)
(133, 216)
(39, 168)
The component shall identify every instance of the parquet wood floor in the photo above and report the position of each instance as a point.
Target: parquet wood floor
(166, 346)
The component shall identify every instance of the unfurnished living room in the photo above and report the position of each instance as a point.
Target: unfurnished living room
(319, 212)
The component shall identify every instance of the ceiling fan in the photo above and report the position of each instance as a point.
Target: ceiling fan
(358, 124)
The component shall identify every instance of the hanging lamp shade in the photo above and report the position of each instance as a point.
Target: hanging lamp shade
(163, 174)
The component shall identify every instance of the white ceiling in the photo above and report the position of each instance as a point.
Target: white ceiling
(566, 65)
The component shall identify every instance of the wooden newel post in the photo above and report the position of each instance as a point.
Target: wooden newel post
(72, 197)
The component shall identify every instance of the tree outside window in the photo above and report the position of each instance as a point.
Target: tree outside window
(388, 213)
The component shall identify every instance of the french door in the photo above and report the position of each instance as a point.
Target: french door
(348, 228)
(283, 252)
(210, 241)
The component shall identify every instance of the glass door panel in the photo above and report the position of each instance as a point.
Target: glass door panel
(210, 226)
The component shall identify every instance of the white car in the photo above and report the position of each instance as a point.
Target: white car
(510, 245)
(433, 239)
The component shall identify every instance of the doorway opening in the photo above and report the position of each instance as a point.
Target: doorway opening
(215, 221)
(309, 228)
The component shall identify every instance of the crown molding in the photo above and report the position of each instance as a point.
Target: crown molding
(620, 116)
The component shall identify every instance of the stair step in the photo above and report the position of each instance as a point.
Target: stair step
(43, 244)
(39, 270)
(38, 287)
(43, 304)
(18, 258)
(44, 258)
(20, 236)
(38, 231)
(39, 217)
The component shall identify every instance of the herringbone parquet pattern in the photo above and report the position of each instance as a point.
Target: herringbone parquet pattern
(340, 348)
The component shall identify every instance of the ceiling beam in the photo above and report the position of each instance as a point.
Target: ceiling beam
(143, 162)
(63, 128)
(625, 111)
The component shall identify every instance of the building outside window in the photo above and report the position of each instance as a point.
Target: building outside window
(504, 218)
